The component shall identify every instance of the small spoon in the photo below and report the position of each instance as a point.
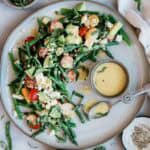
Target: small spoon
(128, 98)
(132, 95)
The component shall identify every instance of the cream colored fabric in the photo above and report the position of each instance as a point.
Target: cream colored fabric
(139, 19)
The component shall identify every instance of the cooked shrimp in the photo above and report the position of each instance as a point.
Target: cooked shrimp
(55, 25)
(66, 61)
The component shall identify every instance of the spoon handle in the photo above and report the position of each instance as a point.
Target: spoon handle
(131, 96)
(143, 90)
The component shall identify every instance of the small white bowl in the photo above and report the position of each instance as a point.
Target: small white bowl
(8, 2)
(102, 61)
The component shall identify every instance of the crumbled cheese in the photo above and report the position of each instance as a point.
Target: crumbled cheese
(49, 98)
(73, 39)
(54, 95)
(50, 104)
(44, 98)
(50, 95)
(19, 97)
(47, 91)
(42, 113)
(109, 24)
(103, 41)
(51, 49)
(84, 20)
(43, 82)
(52, 132)
(59, 51)
(45, 20)
(118, 38)
(72, 29)
(67, 109)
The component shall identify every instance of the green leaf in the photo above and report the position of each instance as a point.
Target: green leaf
(17, 109)
(8, 136)
(71, 47)
(79, 114)
(99, 147)
(30, 72)
(138, 4)
(125, 37)
(80, 6)
(60, 135)
(55, 112)
(112, 43)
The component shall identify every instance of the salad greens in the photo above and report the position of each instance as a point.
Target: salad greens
(8, 145)
(8, 136)
(138, 4)
(3, 145)
(99, 147)
(50, 60)
(21, 3)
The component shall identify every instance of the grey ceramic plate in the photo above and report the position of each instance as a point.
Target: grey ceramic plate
(95, 131)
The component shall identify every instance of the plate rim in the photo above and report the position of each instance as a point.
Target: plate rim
(30, 16)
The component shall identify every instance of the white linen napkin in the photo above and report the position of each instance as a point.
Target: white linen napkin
(139, 19)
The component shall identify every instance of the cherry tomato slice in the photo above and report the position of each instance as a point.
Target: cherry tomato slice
(37, 126)
(29, 38)
(33, 95)
(71, 75)
(32, 121)
(82, 31)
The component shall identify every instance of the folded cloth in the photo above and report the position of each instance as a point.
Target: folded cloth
(139, 19)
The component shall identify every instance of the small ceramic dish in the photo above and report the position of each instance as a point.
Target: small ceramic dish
(105, 61)
(31, 4)
(137, 126)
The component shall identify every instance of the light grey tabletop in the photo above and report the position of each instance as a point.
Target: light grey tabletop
(10, 18)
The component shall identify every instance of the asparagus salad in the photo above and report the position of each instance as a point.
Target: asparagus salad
(52, 59)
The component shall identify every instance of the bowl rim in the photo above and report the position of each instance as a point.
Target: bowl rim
(123, 133)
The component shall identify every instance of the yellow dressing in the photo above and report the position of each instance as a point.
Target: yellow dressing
(102, 108)
(110, 79)
(83, 73)
(89, 104)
